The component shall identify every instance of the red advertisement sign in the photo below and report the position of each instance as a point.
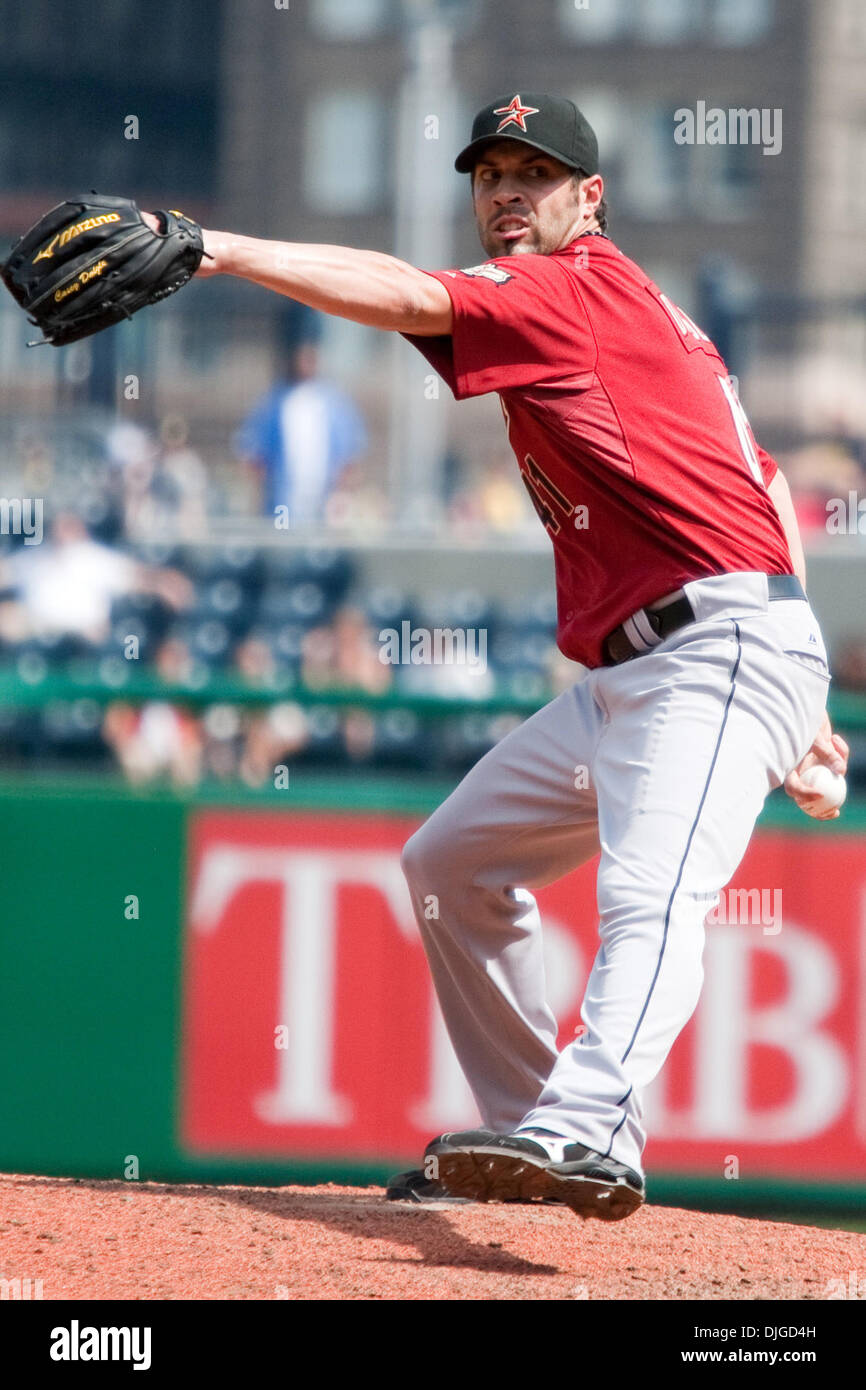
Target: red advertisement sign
(311, 1028)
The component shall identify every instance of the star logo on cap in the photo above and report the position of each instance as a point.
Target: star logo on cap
(515, 113)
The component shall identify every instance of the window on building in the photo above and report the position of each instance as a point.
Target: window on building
(608, 115)
(349, 19)
(737, 22)
(69, 85)
(594, 21)
(655, 169)
(668, 21)
(344, 165)
(610, 118)
(724, 181)
(675, 280)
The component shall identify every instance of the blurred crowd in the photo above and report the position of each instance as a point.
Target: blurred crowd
(300, 458)
(822, 478)
(230, 620)
(234, 663)
(100, 602)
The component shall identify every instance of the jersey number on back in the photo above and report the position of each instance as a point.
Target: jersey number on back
(743, 428)
(692, 337)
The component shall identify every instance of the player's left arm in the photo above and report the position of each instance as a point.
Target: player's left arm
(368, 287)
(828, 748)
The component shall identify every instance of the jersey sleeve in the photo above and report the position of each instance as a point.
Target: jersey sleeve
(769, 467)
(518, 321)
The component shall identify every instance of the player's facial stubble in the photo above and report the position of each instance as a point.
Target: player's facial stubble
(528, 203)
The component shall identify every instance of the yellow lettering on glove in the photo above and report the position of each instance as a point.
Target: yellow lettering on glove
(82, 279)
(66, 236)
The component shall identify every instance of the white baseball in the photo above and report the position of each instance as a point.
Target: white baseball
(831, 785)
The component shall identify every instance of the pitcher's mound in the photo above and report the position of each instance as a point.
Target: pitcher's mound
(128, 1240)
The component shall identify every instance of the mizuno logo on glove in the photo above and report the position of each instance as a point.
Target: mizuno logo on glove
(85, 226)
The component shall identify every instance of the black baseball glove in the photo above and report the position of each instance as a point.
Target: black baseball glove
(92, 261)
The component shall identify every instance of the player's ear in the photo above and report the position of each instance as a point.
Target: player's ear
(593, 188)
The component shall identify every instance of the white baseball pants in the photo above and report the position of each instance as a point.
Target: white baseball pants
(682, 745)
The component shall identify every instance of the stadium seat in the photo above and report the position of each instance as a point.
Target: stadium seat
(331, 569)
(400, 740)
(326, 744)
(210, 642)
(387, 607)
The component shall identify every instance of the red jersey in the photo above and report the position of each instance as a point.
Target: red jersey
(628, 432)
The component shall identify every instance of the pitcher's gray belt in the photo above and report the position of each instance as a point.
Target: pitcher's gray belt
(648, 627)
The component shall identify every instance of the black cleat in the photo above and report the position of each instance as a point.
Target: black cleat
(511, 1168)
(459, 1140)
(593, 1185)
(493, 1167)
(417, 1188)
(421, 1187)
(422, 1184)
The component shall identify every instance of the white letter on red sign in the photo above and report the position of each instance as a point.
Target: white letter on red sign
(727, 1030)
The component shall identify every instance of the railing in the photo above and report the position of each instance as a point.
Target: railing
(847, 710)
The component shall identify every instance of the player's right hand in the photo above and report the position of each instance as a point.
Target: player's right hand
(829, 750)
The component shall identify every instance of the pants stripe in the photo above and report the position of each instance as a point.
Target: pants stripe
(688, 847)
(621, 1123)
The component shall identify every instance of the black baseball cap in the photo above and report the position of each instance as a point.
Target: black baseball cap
(551, 124)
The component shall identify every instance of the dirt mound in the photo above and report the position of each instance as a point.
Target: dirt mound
(124, 1240)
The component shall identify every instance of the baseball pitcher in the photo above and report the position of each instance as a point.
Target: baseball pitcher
(681, 590)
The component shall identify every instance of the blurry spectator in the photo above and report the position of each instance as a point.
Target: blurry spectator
(504, 502)
(35, 464)
(222, 731)
(358, 502)
(359, 734)
(497, 501)
(848, 664)
(305, 432)
(178, 489)
(183, 471)
(163, 485)
(255, 661)
(271, 735)
(468, 680)
(132, 454)
(344, 655)
(130, 447)
(816, 474)
(66, 586)
(158, 739)
(271, 739)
